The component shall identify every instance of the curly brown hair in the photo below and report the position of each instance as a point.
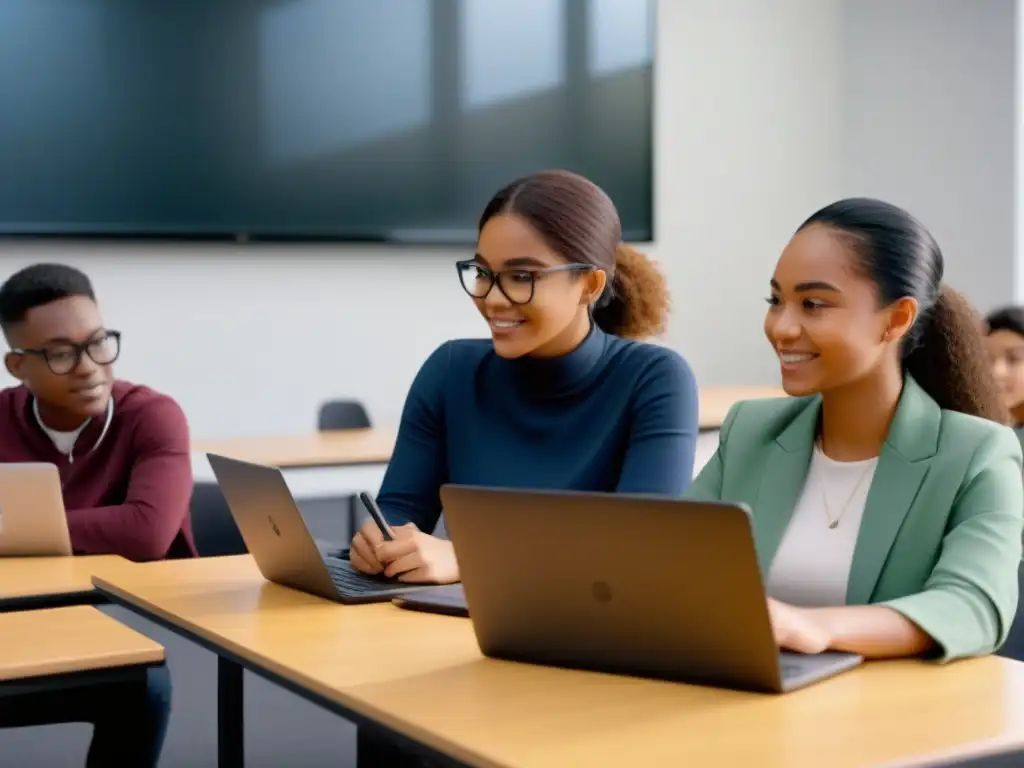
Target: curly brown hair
(640, 300)
(944, 350)
(577, 219)
(951, 354)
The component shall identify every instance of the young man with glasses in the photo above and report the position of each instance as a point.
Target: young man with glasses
(122, 449)
(123, 454)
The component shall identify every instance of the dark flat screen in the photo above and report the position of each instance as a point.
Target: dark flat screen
(380, 120)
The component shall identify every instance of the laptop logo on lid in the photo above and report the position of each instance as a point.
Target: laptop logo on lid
(602, 592)
(273, 526)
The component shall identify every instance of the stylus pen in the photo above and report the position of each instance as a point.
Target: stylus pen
(377, 515)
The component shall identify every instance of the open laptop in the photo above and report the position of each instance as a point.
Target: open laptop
(32, 517)
(277, 537)
(640, 585)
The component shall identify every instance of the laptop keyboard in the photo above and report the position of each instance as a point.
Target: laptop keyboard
(791, 668)
(799, 666)
(351, 582)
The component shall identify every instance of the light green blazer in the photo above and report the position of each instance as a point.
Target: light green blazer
(940, 540)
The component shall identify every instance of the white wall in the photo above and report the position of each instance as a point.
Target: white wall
(764, 111)
(251, 338)
(929, 123)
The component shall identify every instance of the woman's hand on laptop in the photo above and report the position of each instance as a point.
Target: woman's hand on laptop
(417, 557)
(797, 629)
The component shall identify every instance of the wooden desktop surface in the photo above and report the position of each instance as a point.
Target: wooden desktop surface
(715, 402)
(56, 641)
(23, 577)
(334, 448)
(349, 447)
(424, 676)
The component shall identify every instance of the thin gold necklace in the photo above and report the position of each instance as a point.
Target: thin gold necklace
(833, 523)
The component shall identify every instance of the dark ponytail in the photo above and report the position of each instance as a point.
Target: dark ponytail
(944, 349)
(578, 220)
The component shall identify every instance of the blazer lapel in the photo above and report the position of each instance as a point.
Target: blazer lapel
(788, 461)
(902, 465)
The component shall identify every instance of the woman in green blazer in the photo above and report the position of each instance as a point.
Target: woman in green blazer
(887, 495)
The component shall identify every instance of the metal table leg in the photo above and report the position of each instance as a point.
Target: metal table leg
(230, 714)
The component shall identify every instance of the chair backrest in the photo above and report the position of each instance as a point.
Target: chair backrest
(1013, 648)
(342, 414)
(213, 527)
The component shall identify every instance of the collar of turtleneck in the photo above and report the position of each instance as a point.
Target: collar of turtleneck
(555, 376)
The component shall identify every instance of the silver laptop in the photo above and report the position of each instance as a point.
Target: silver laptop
(279, 541)
(640, 585)
(32, 518)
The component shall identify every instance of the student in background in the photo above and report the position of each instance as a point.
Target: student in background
(887, 495)
(562, 396)
(124, 459)
(1004, 340)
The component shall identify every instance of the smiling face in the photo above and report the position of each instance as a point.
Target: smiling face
(65, 399)
(555, 319)
(824, 319)
(1006, 354)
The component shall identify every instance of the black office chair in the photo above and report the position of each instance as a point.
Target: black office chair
(345, 414)
(213, 526)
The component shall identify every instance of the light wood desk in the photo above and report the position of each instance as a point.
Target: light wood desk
(352, 447)
(422, 676)
(60, 641)
(715, 402)
(46, 582)
(333, 448)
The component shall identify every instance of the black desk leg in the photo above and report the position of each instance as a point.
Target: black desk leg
(230, 715)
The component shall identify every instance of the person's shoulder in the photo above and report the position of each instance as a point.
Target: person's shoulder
(456, 354)
(148, 412)
(13, 404)
(467, 351)
(763, 417)
(15, 396)
(979, 441)
(652, 361)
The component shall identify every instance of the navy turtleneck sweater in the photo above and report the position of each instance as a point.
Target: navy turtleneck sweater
(612, 415)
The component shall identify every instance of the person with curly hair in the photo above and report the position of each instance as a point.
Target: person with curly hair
(886, 492)
(564, 395)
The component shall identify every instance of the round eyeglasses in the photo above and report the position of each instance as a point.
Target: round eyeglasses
(516, 285)
(64, 357)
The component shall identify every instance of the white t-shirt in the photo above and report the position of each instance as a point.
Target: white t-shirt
(62, 441)
(812, 565)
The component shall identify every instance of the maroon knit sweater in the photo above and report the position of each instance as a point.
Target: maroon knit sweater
(127, 485)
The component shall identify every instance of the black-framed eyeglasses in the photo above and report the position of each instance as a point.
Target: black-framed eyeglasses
(64, 357)
(516, 285)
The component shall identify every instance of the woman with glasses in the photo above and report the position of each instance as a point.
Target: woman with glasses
(562, 396)
(1004, 340)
